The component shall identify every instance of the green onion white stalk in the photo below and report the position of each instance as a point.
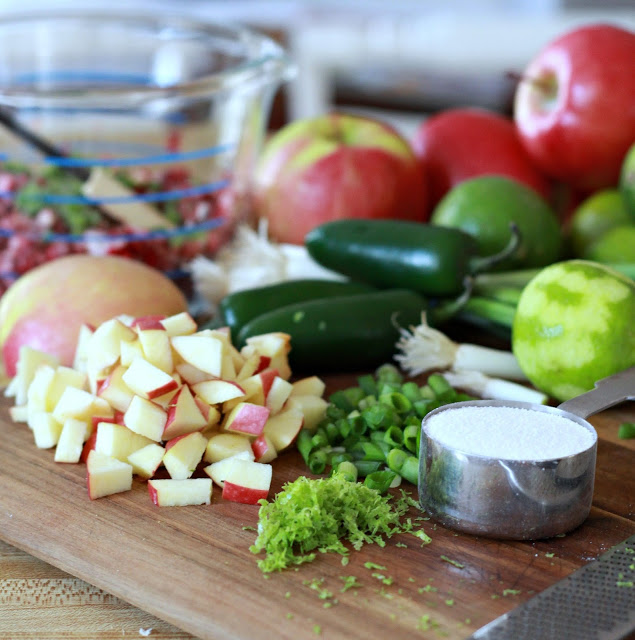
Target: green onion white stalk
(425, 349)
(478, 383)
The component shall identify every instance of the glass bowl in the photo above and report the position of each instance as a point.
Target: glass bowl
(133, 135)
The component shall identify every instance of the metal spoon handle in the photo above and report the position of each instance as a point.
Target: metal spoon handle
(607, 393)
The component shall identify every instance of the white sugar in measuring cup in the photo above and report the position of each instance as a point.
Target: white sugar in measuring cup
(510, 498)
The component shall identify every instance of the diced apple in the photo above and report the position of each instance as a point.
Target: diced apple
(81, 350)
(276, 345)
(28, 362)
(157, 348)
(253, 362)
(183, 453)
(278, 393)
(117, 441)
(247, 418)
(247, 482)
(106, 475)
(180, 493)
(148, 381)
(80, 404)
(71, 441)
(309, 386)
(115, 391)
(147, 460)
(226, 445)
(37, 395)
(179, 324)
(264, 449)
(218, 391)
(202, 351)
(148, 322)
(211, 414)
(218, 470)
(184, 415)
(283, 428)
(146, 418)
(104, 347)
(19, 413)
(89, 445)
(46, 429)
(130, 351)
(66, 377)
(313, 408)
(191, 375)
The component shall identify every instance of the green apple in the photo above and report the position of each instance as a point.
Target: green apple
(46, 307)
(574, 325)
(336, 166)
(617, 245)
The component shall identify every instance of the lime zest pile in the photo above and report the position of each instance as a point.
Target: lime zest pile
(320, 515)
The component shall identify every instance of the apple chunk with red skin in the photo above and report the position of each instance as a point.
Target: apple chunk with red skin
(574, 109)
(184, 415)
(180, 493)
(247, 418)
(246, 481)
(183, 453)
(148, 381)
(46, 307)
(336, 166)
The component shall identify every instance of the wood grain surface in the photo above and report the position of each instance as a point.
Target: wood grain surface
(120, 567)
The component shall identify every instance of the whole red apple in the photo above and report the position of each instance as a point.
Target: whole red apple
(46, 307)
(336, 166)
(461, 143)
(575, 107)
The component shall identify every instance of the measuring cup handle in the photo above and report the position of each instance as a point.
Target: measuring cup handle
(607, 393)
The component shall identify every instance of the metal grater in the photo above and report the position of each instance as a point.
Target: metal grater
(596, 602)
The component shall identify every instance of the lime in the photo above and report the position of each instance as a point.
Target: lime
(485, 207)
(627, 179)
(594, 216)
(615, 245)
(574, 325)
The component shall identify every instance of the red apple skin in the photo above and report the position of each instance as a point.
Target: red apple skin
(148, 322)
(580, 132)
(245, 495)
(457, 144)
(336, 166)
(154, 496)
(46, 307)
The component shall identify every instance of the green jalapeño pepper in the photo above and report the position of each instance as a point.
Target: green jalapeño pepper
(345, 332)
(240, 307)
(430, 259)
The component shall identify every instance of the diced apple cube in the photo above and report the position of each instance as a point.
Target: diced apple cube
(130, 351)
(180, 493)
(46, 429)
(247, 482)
(182, 455)
(115, 391)
(218, 390)
(278, 393)
(157, 348)
(147, 322)
(29, 360)
(81, 350)
(264, 449)
(202, 351)
(313, 408)
(71, 441)
(253, 362)
(184, 415)
(218, 470)
(276, 345)
(225, 445)
(117, 441)
(283, 428)
(146, 461)
(104, 347)
(145, 418)
(309, 386)
(148, 381)
(247, 418)
(179, 324)
(106, 475)
(19, 413)
(80, 404)
(191, 375)
(37, 395)
(65, 377)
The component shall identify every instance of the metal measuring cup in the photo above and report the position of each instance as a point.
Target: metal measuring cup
(516, 499)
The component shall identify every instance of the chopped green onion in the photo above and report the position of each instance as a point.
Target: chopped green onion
(626, 430)
(380, 480)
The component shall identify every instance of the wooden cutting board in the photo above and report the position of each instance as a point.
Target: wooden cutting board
(192, 567)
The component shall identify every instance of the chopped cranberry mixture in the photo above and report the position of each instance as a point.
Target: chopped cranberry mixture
(26, 226)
